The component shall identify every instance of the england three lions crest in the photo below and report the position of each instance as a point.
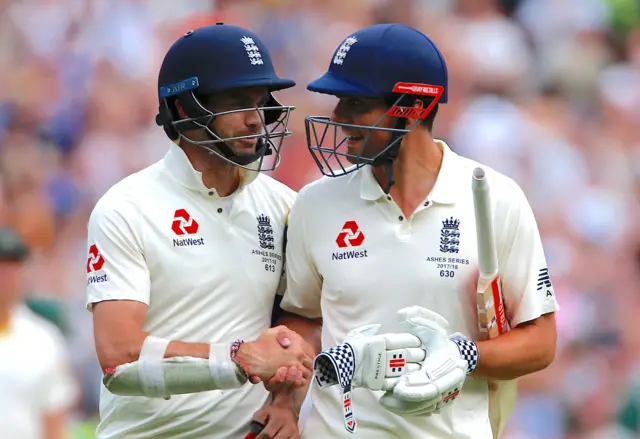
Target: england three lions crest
(265, 233)
(450, 236)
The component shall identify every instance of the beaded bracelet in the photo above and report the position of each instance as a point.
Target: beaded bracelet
(235, 346)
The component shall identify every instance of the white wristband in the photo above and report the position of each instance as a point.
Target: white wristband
(156, 377)
(224, 370)
(151, 367)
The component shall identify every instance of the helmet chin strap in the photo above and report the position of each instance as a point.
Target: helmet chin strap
(387, 164)
(388, 159)
(262, 149)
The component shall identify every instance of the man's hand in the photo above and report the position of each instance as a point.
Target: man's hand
(443, 372)
(279, 419)
(284, 381)
(266, 358)
(287, 379)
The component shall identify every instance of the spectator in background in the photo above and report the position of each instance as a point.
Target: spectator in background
(37, 387)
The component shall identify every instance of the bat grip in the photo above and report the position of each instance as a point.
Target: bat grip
(256, 428)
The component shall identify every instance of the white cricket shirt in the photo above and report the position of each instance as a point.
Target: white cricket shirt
(207, 267)
(354, 259)
(35, 377)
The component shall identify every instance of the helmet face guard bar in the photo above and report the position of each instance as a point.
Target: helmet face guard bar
(274, 119)
(268, 142)
(319, 129)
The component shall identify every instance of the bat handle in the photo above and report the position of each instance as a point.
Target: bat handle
(256, 428)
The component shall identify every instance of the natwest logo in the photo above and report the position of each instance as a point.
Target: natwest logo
(351, 236)
(95, 262)
(182, 225)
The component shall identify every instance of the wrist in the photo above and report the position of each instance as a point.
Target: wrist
(238, 354)
(223, 369)
(284, 400)
(468, 351)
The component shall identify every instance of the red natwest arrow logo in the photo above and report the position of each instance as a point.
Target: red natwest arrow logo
(183, 224)
(350, 236)
(95, 261)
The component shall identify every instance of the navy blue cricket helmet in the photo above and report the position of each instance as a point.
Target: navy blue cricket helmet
(390, 61)
(218, 58)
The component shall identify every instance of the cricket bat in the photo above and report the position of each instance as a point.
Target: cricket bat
(256, 429)
(492, 319)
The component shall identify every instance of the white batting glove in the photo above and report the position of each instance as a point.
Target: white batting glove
(443, 372)
(367, 359)
(406, 408)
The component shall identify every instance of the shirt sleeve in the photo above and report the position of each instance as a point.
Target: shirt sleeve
(526, 282)
(304, 283)
(116, 267)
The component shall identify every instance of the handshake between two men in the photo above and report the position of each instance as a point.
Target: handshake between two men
(420, 370)
(278, 357)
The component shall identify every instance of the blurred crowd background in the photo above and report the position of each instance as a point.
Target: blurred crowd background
(545, 91)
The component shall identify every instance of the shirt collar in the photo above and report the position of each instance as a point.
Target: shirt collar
(369, 188)
(178, 164)
(444, 189)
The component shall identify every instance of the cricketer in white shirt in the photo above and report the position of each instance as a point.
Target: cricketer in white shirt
(207, 267)
(35, 376)
(355, 259)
